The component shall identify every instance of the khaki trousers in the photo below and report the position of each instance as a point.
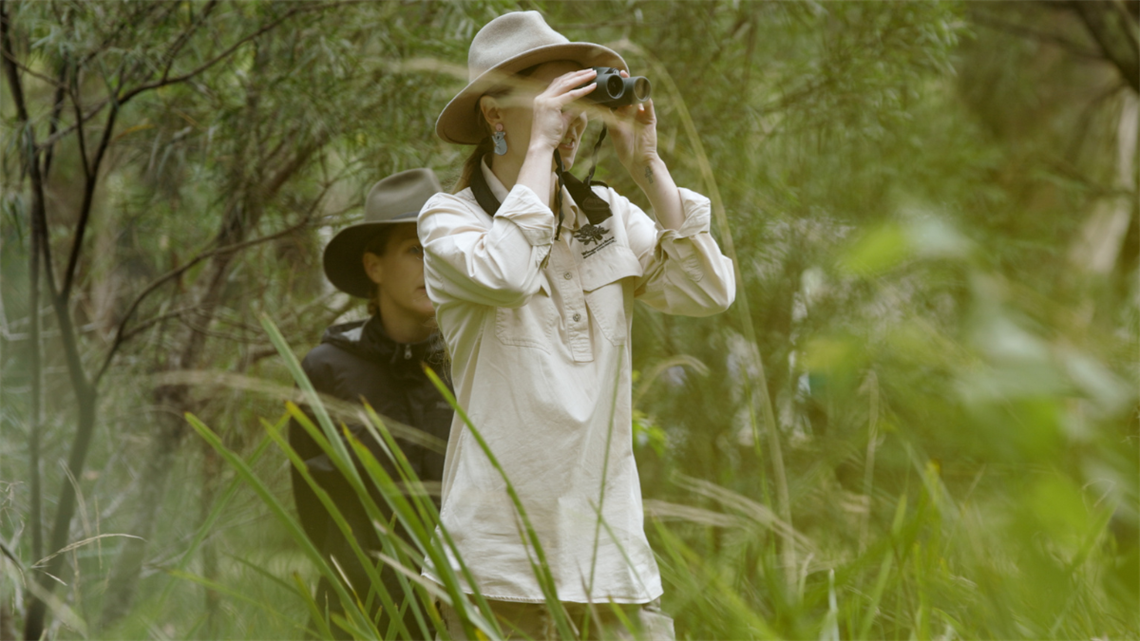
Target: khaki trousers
(533, 621)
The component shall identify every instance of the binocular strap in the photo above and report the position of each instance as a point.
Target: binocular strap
(596, 209)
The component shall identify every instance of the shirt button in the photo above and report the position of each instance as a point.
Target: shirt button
(567, 276)
(577, 317)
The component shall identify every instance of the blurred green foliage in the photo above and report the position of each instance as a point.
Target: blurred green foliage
(910, 187)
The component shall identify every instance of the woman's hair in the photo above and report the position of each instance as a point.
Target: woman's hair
(378, 245)
(485, 145)
(471, 165)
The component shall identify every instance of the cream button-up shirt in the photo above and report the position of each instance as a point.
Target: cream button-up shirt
(538, 331)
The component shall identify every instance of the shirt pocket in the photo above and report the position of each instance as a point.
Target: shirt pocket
(608, 290)
(531, 325)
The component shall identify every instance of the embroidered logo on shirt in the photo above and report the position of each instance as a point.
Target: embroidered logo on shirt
(589, 234)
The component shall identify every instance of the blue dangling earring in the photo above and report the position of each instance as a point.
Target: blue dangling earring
(500, 140)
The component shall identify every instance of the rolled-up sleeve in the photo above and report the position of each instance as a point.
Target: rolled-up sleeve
(684, 271)
(472, 257)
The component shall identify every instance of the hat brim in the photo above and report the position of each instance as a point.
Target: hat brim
(458, 122)
(343, 256)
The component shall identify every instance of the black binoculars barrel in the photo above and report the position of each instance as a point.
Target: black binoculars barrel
(613, 87)
(641, 88)
(615, 91)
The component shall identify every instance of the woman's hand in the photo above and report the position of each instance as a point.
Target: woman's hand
(550, 119)
(550, 122)
(634, 132)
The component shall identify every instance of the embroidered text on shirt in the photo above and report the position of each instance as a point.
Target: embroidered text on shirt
(605, 243)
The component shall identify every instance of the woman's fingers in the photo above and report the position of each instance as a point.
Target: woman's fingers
(574, 94)
(567, 88)
(615, 117)
(625, 111)
(649, 111)
(571, 81)
(550, 106)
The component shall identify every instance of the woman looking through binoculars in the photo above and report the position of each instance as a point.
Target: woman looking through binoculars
(533, 274)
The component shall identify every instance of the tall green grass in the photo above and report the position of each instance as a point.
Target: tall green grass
(1031, 542)
(977, 479)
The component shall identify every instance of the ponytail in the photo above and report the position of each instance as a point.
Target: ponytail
(471, 165)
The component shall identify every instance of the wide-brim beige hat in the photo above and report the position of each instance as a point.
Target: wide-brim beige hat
(395, 200)
(503, 47)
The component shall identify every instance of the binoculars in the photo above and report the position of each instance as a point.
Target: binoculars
(613, 91)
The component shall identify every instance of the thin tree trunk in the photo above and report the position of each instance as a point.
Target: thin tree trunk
(170, 429)
(35, 404)
(35, 364)
(35, 358)
(128, 565)
(249, 192)
(84, 387)
(61, 529)
(84, 391)
(7, 623)
(1098, 248)
(1128, 265)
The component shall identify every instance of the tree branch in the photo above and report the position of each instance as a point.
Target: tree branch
(88, 201)
(56, 111)
(1075, 48)
(162, 82)
(170, 81)
(142, 326)
(35, 360)
(1096, 15)
(11, 64)
(94, 111)
(82, 137)
(121, 335)
(147, 9)
(1126, 18)
(184, 37)
(28, 70)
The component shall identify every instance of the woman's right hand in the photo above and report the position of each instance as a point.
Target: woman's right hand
(549, 122)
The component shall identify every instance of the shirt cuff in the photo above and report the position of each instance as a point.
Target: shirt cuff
(697, 210)
(523, 208)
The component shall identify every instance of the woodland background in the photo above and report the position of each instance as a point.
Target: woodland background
(919, 420)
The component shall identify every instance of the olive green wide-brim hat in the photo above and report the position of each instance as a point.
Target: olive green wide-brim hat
(396, 200)
(503, 47)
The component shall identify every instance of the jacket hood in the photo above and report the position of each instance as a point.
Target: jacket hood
(367, 339)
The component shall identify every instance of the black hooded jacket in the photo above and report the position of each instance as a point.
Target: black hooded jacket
(358, 361)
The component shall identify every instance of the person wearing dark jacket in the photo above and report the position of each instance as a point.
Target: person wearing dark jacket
(378, 361)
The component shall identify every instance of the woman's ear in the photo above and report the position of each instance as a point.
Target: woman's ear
(373, 266)
(492, 111)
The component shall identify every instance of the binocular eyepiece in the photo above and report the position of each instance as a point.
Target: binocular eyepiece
(613, 91)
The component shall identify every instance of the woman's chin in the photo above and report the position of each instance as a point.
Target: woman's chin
(567, 157)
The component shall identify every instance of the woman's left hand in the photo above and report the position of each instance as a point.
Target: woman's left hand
(634, 132)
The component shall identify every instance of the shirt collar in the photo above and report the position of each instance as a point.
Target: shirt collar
(497, 188)
(574, 219)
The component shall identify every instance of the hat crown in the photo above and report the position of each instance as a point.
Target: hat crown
(505, 46)
(396, 200)
(508, 36)
(399, 195)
